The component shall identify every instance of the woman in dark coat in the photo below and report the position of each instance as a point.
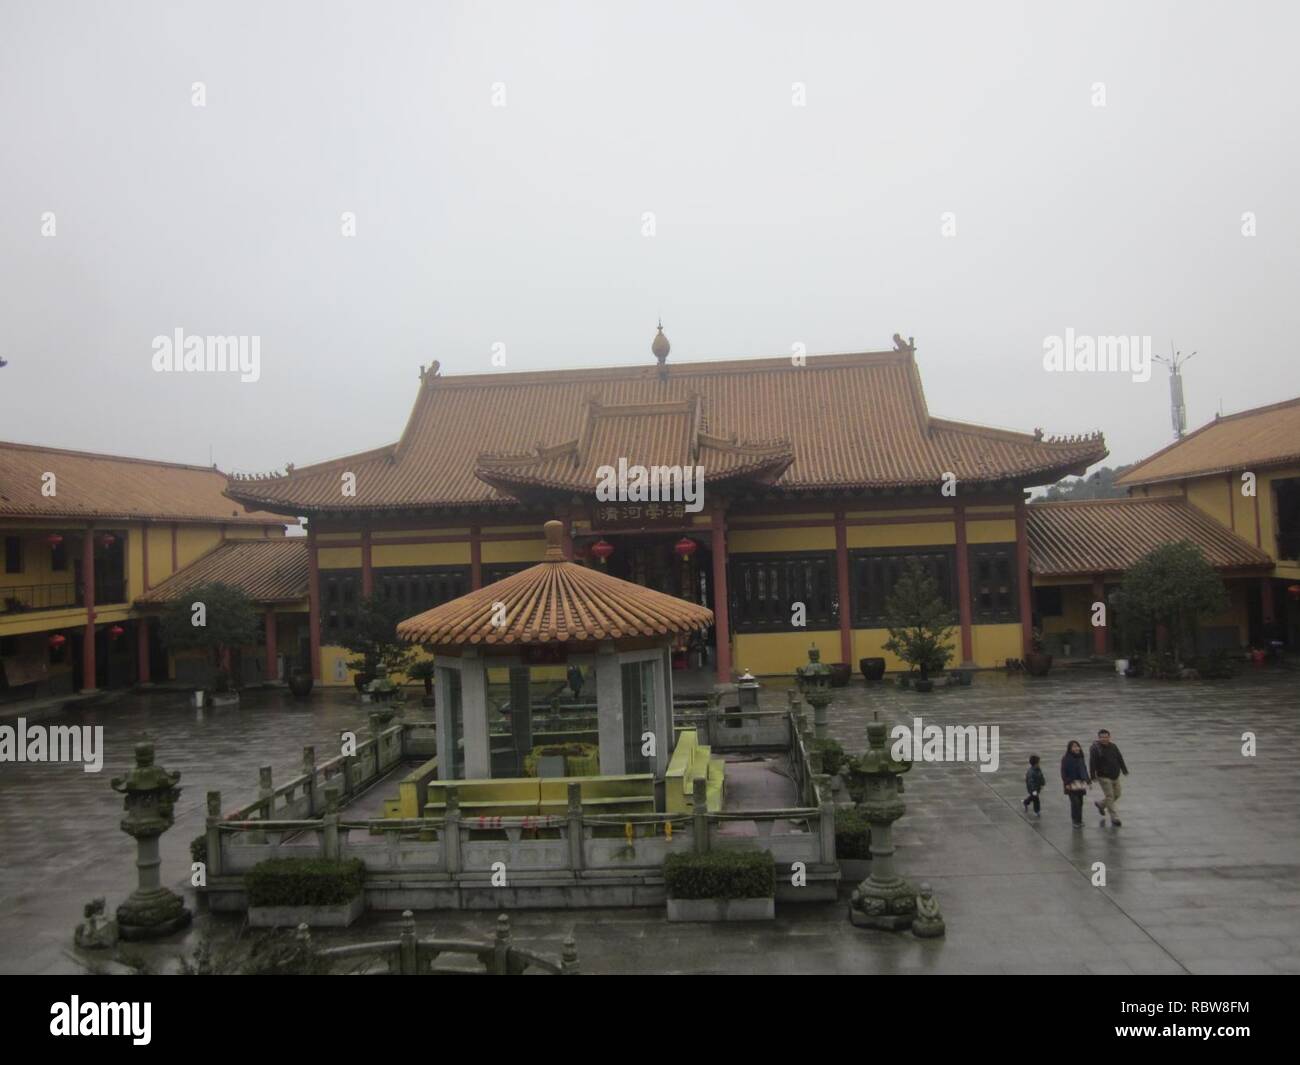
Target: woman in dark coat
(1074, 775)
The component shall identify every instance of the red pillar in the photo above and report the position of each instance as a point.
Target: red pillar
(963, 590)
(842, 581)
(88, 596)
(475, 558)
(367, 570)
(1022, 579)
(272, 652)
(144, 555)
(142, 650)
(1099, 631)
(720, 624)
(313, 598)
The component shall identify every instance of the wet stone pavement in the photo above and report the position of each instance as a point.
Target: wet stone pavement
(1203, 876)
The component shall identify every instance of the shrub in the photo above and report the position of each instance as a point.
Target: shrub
(1216, 665)
(720, 875)
(833, 756)
(304, 882)
(199, 849)
(852, 834)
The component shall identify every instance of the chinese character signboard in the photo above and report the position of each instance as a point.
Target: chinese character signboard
(639, 516)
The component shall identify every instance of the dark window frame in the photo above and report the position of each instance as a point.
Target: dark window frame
(14, 554)
(1005, 608)
(867, 592)
(763, 587)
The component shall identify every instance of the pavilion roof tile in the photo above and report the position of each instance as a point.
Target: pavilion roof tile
(555, 601)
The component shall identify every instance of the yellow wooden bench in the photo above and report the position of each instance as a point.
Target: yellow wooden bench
(536, 796)
(690, 761)
(412, 791)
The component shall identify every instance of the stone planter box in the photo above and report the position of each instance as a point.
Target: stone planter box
(854, 870)
(340, 916)
(224, 699)
(721, 909)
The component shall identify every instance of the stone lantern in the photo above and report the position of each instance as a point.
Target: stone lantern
(884, 899)
(151, 911)
(815, 684)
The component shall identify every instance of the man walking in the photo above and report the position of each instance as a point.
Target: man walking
(1105, 764)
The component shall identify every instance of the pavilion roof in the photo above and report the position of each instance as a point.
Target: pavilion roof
(1101, 536)
(852, 421)
(555, 601)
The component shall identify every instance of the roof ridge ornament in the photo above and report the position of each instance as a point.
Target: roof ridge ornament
(660, 347)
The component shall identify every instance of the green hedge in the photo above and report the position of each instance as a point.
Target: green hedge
(852, 834)
(199, 849)
(833, 757)
(304, 882)
(720, 875)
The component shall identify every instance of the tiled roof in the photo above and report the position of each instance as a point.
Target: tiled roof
(851, 421)
(89, 486)
(554, 602)
(1264, 436)
(267, 571)
(1110, 535)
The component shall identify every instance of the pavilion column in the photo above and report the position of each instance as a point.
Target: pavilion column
(313, 599)
(609, 711)
(1099, 631)
(722, 629)
(88, 598)
(367, 570)
(142, 651)
(144, 555)
(842, 583)
(1022, 578)
(475, 558)
(473, 701)
(963, 590)
(272, 651)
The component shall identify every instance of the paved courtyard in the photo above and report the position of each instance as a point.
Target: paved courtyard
(1204, 875)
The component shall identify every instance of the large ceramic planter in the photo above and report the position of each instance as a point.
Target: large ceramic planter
(721, 909)
(963, 676)
(1038, 663)
(872, 668)
(1121, 666)
(300, 684)
(340, 916)
(361, 680)
(926, 685)
(840, 674)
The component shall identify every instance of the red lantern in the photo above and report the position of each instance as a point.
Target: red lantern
(116, 631)
(54, 539)
(1293, 591)
(58, 640)
(107, 540)
(685, 548)
(602, 549)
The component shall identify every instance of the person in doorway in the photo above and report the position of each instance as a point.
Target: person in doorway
(1105, 765)
(1034, 783)
(1074, 775)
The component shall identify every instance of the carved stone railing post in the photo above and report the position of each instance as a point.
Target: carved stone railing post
(576, 849)
(214, 833)
(700, 812)
(451, 832)
(331, 822)
(408, 954)
(309, 771)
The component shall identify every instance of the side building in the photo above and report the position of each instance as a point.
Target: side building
(87, 535)
(821, 481)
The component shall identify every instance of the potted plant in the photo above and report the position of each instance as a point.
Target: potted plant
(300, 681)
(852, 844)
(215, 618)
(375, 643)
(840, 674)
(1037, 661)
(872, 668)
(423, 671)
(920, 625)
(720, 886)
(287, 892)
(1067, 643)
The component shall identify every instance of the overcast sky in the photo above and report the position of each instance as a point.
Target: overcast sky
(775, 224)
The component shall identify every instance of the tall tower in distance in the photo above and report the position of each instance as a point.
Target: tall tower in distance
(1177, 408)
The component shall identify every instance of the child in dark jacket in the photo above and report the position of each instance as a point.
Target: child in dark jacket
(1034, 783)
